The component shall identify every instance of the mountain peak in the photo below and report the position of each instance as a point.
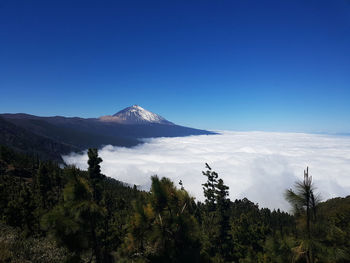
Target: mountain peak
(135, 115)
(133, 108)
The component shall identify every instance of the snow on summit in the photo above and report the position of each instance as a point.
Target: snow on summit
(135, 115)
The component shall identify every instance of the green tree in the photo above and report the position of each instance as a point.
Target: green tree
(208, 227)
(222, 216)
(95, 175)
(69, 221)
(248, 235)
(164, 228)
(209, 188)
(216, 238)
(304, 203)
(96, 179)
(20, 208)
(77, 221)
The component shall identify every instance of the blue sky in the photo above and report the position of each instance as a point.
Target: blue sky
(239, 65)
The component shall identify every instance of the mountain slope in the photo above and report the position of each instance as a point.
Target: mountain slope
(78, 134)
(81, 133)
(23, 140)
(135, 115)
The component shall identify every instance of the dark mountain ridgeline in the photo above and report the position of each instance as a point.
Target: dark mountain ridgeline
(82, 133)
(23, 140)
(33, 134)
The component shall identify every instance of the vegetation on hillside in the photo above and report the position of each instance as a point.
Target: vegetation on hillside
(54, 214)
(25, 141)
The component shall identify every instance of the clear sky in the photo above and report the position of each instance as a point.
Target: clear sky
(235, 64)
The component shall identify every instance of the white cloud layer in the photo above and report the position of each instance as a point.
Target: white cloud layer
(256, 165)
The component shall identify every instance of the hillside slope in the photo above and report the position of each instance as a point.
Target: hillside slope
(53, 136)
(25, 141)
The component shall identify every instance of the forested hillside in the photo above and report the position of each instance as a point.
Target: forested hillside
(50, 213)
(25, 141)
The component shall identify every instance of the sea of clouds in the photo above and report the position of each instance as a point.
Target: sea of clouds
(256, 165)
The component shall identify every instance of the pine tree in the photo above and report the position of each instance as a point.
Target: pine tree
(96, 179)
(305, 202)
(95, 175)
(209, 188)
(164, 228)
(73, 221)
(216, 219)
(222, 216)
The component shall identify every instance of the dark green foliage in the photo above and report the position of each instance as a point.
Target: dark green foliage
(94, 169)
(248, 235)
(95, 175)
(335, 214)
(69, 221)
(209, 188)
(217, 242)
(305, 203)
(223, 219)
(163, 229)
(95, 218)
(54, 214)
(27, 141)
(58, 203)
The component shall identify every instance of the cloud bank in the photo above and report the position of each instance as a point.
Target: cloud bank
(256, 165)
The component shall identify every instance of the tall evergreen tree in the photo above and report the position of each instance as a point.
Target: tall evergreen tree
(95, 175)
(305, 202)
(216, 236)
(96, 179)
(222, 216)
(209, 188)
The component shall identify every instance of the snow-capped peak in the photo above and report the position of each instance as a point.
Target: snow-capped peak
(135, 115)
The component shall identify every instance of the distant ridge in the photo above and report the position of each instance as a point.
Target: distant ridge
(64, 134)
(23, 140)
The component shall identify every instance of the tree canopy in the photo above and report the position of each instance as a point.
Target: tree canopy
(50, 213)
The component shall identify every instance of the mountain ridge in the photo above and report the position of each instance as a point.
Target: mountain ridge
(82, 133)
(23, 140)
